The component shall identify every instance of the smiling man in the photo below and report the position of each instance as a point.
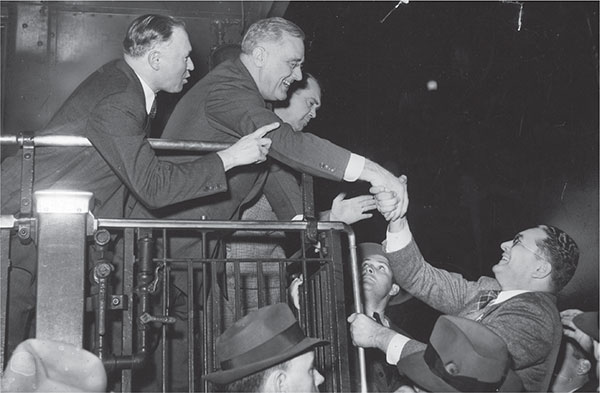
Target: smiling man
(232, 99)
(519, 304)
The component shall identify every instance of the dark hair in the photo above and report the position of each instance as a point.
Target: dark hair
(269, 30)
(563, 254)
(297, 86)
(146, 31)
(252, 382)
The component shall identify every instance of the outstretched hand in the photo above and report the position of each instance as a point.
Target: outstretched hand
(250, 149)
(351, 210)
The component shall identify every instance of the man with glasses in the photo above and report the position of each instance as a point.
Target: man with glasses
(519, 304)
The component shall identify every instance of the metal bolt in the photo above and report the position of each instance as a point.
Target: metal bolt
(103, 270)
(116, 301)
(27, 156)
(24, 25)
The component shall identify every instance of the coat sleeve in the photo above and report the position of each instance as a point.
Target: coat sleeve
(283, 192)
(442, 290)
(116, 131)
(241, 110)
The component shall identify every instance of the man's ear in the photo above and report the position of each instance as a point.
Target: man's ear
(154, 59)
(276, 382)
(543, 270)
(583, 366)
(394, 290)
(259, 56)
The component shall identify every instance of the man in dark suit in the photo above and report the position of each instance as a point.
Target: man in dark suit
(112, 109)
(535, 265)
(231, 101)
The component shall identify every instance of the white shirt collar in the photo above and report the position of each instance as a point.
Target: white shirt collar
(505, 295)
(148, 93)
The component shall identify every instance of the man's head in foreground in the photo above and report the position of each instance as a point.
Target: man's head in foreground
(267, 351)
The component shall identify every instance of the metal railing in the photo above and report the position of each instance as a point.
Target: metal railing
(125, 313)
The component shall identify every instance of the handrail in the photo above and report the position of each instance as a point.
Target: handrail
(81, 141)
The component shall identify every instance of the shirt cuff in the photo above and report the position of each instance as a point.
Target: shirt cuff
(355, 166)
(395, 347)
(395, 241)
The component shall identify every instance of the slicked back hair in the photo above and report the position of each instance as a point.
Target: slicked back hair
(562, 252)
(147, 31)
(269, 30)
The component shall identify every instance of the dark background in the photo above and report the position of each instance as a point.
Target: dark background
(508, 140)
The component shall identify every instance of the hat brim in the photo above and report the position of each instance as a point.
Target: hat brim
(587, 322)
(399, 299)
(223, 377)
(415, 368)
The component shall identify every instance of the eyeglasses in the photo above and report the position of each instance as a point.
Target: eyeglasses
(517, 241)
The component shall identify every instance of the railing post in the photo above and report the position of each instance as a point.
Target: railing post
(61, 238)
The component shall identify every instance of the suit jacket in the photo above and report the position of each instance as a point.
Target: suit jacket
(529, 323)
(109, 109)
(226, 105)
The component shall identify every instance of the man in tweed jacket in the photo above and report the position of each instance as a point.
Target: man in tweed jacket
(535, 265)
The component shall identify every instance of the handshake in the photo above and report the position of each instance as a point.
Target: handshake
(390, 192)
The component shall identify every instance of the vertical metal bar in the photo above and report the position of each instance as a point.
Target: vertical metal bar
(238, 290)
(207, 320)
(128, 313)
(166, 290)
(62, 218)
(282, 282)
(191, 318)
(260, 283)
(357, 304)
(4, 274)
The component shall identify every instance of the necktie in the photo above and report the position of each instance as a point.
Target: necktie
(377, 318)
(152, 113)
(486, 297)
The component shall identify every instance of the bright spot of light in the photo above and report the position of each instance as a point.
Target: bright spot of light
(432, 85)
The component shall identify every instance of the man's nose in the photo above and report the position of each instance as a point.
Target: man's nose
(505, 246)
(297, 73)
(319, 379)
(190, 64)
(313, 112)
(368, 267)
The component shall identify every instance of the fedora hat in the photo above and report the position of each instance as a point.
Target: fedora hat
(462, 356)
(370, 250)
(587, 322)
(262, 339)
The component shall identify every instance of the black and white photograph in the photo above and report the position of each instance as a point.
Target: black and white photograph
(299, 196)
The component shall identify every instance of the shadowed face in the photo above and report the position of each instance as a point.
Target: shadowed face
(303, 106)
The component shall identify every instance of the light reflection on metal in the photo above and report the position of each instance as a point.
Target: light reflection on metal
(80, 141)
(63, 201)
